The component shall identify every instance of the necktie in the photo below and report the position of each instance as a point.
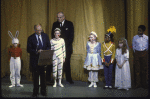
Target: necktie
(60, 24)
(40, 44)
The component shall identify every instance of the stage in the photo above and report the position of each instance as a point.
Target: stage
(78, 89)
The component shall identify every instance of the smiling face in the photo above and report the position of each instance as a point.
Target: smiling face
(57, 34)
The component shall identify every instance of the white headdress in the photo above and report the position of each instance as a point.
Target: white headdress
(14, 39)
(94, 33)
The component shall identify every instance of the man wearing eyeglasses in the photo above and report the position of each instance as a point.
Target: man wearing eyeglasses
(36, 43)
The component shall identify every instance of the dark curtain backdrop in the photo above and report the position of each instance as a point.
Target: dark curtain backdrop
(86, 15)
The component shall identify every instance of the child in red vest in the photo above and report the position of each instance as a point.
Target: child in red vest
(15, 53)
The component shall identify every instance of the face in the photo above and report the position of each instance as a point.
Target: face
(92, 38)
(38, 30)
(120, 44)
(107, 38)
(60, 17)
(140, 31)
(15, 44)
(57, 34)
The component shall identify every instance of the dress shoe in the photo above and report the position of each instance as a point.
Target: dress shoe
(71, 82)
(44, 94)
(34, 95)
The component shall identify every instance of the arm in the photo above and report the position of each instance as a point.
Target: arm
(99, 49)
(52, 45)
(63, 49)
(71, 34)
(113, 53)
(29, 47)
(20, 52)
(147, 43)
(52, 33)
(102, 53)
(48, 43)
(133, 44)
(126, 57)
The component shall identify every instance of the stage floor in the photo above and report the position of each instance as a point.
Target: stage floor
(78, 89)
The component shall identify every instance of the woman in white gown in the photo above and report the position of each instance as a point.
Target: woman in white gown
(122, 71)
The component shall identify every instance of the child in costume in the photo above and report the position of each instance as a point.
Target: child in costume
(108, 55)
(58, 45)
(122, 72)
(93, 60)
(15, 53)
(140, 47)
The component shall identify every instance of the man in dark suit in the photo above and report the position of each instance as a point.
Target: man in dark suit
(36, 43)
(67, 33)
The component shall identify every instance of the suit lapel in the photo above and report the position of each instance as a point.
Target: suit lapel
(35, 39)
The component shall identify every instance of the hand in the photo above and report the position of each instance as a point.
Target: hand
(63, 60)
(119, 65)
(106, 64)
(39, 51)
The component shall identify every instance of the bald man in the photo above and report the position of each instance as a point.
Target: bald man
(36, 43)
(67, 33)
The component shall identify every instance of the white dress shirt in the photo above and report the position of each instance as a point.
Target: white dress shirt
(40, 38)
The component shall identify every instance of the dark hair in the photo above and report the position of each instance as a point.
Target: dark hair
(111, 36)
(142, 27)
(124, 48)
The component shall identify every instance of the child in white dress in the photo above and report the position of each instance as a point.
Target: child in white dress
(122, 72)
(58, 45)
(93, 60)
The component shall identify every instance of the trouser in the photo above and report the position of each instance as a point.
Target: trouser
(15, 67)
(93, 76)
(140, 68)
(39, 71)
(66, 65)
(108, 71)
(57, 66)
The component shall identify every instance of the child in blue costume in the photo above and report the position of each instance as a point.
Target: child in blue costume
(93, 60)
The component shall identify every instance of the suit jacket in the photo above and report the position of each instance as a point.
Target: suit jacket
(32, 48)
(67, 33)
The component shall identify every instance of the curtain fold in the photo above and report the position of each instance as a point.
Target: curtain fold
(86, 15)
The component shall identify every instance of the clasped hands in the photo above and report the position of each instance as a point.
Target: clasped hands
(107, 64)
(39, 51)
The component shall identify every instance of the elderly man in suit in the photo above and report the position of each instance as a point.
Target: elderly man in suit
(36, 43)
(67, 33)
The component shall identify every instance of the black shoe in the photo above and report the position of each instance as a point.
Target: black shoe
(71, 82)
(34, 95)
(44, 94)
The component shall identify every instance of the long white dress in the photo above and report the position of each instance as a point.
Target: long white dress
(122, 75)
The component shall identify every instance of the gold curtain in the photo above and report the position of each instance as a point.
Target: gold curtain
(86, 15)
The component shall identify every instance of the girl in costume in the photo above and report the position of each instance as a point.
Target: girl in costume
(58, 45)
(108, 55)
(93, 60)
(122, 72)
(15, 53)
